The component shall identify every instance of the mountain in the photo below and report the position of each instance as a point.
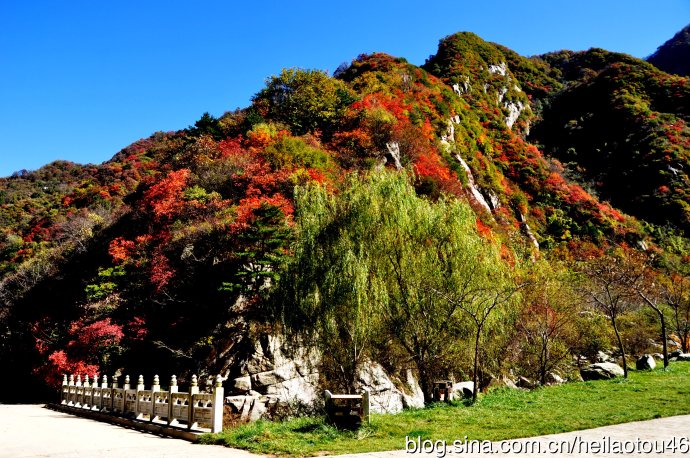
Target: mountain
(674, 55)
(165, 258)
(619, 125)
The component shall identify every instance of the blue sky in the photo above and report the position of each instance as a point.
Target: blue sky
(81, 80)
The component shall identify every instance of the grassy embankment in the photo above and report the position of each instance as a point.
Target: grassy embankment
(501, 414)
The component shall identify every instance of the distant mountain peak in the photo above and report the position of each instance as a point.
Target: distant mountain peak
(674, 55)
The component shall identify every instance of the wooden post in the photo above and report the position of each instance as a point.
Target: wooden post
(218, 401)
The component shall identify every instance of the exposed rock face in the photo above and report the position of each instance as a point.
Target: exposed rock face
(604, 357)
(474, 190)
(645, 362)
(394, 152)
(601, 371)
(385, 396)
(514, 110)
(272, 379)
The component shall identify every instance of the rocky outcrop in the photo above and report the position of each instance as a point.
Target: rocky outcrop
(601, 371)
(645, 363)
(474, 190)
(385, 395)
(270, 378)
(273, 381)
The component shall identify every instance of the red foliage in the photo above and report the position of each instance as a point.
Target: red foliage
(164, 199)
(161, 270)
(97, 335)
(120, 249)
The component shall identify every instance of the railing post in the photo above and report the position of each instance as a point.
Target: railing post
(72, 391)
(218, 402)
(140, 388)
(173, 389)
(80, 392)
(65, 386)
(193, 389)
(365, 406)
(104, 388)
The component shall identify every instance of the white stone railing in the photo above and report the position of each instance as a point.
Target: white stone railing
(191, 410)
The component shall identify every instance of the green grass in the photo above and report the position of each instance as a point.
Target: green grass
(501, 414)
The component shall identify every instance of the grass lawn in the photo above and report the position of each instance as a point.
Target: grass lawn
(501, 414)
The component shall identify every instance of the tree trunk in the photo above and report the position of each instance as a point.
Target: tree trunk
(475, 378)
(663, 338)
(620, 347)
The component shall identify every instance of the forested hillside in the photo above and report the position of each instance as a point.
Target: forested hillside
(435, 218)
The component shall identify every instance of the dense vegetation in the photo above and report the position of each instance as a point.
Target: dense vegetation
(452, 214)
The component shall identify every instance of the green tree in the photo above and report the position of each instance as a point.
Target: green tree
(305, 100)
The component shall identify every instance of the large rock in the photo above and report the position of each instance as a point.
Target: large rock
(241, 384)
(554, 379)
(645, 363)
(676, 353)
(601, 371)
(463, 389)
(501, 382)
(684, 357)
(385, 395)
(524, 382)
(603, 357)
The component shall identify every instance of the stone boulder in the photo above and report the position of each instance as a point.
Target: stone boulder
(501, 382)
(676, 353)
(684, 357)
(603, 357)
(463, 390)
(645, 363)
(524, 382)
(385, 395)
(554, 379)
(601, 371)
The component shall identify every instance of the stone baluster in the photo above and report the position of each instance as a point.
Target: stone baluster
(126, 384)
(64, 393)
(193, 389)
(156, 384)
(72, 391)
(218, 401)
(173, 389)
(80, 392)
(115, 382)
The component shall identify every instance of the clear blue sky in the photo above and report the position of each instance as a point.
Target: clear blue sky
(81, 80)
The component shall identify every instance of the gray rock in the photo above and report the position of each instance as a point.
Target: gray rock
(386, 396)
(645, 363)
(463, 389)
(241, 384)
(604, 357)
(554, 379)
(524, 382)
(601, 371)
(676, 353)
(501, 382)
(264, 379)
(658, 356)
(684, 357)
